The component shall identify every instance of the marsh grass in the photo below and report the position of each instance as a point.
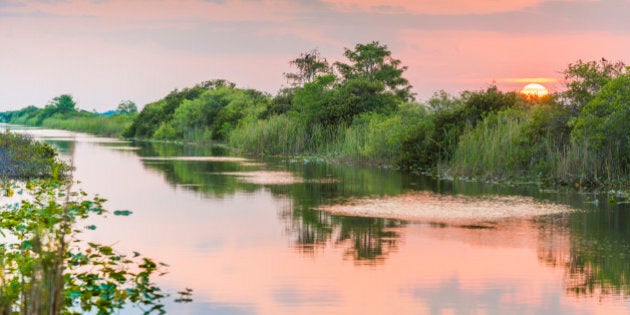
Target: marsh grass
(23, 157)
(501, 148)
(110, 126)
(370, 139)
(493, 149)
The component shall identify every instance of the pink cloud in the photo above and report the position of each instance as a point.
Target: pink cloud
(434, 6)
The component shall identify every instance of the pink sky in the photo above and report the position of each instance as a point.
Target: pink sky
(104, 51)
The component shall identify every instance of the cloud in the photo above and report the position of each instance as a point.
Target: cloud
(559, 17)
(432, 7)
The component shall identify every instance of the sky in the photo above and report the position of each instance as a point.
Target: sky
(106, 51)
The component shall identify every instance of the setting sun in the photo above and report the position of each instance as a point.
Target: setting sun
(534, 90)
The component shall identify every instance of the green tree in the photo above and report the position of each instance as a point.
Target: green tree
(64, 104)
(320, 102)
(373, 62)
(604, 122)
(309, 65)
(585, 79)
(127, 107)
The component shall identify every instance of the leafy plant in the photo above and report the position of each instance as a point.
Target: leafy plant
(47, 269)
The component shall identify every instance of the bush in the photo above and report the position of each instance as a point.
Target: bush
(434, 140)
(604, 122)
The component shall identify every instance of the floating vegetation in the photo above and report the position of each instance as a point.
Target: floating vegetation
(274, 178)
(431, 207)
(125, 148)
(254, 164)
(265, 177)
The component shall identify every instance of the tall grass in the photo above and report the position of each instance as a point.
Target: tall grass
(579, 164)
(372, 138)
(277, 135)
(111, 126)
(501, 147)
(493, 149)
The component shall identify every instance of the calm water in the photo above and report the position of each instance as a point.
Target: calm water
(256, 243)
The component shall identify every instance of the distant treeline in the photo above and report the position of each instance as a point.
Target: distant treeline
(363, 111)
(61, 113)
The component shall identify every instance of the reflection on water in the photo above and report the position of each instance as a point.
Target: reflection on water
(250, 246)
(598, 261)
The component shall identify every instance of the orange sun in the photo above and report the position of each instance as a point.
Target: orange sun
(534, 91)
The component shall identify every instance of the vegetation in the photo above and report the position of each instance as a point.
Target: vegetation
(45, 268)
(22, 157)
(61, 113)
(362, 109)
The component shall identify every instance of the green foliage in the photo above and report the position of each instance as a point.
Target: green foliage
(153, 115)
(320, 103)
(280, 104)
(604, 122)
(585, 79)
(63, 104)
(127, 107)
(209, 111)
(378, 138)
(373, 62)
(441, 100)
(309, 66)
(435, 140)
(47, 269)
(276, 135)
(110, 126)
(494, 149)
(212, 115)
(23, 157)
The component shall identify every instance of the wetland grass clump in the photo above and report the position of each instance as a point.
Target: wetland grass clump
(109, 126)
(22, 157)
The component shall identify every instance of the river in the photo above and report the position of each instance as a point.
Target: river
(305, 237)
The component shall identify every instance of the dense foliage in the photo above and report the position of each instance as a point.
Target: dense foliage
(61, 113)
(362, 109)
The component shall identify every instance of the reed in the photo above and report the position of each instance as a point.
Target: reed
(111, 126)
(277, 135)
(494, 149)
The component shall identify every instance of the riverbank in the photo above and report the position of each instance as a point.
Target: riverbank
(577, 138)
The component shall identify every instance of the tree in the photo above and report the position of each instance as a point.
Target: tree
(127, 107)
(373, 62)
(604, 122)
(63, 104)
(309, 65)
(585, 79)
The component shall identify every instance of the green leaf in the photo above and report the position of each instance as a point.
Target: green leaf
(122, 212)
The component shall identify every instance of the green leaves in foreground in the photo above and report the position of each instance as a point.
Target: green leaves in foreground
(122, 212)
(46, 269)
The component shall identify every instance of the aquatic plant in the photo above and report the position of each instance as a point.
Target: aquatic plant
(47, 269)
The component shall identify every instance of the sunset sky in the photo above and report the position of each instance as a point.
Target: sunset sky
(103, 51)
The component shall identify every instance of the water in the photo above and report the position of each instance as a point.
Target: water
(267, 243)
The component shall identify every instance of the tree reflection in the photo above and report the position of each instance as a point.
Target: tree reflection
(371, 239)
(366, 240)
(597, 261)
(600, 253)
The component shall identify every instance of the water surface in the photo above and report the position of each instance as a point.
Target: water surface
(267, 237)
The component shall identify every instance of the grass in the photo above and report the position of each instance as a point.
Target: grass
(21, 157)
(370, 139)
(110, 126)
(500, 148)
